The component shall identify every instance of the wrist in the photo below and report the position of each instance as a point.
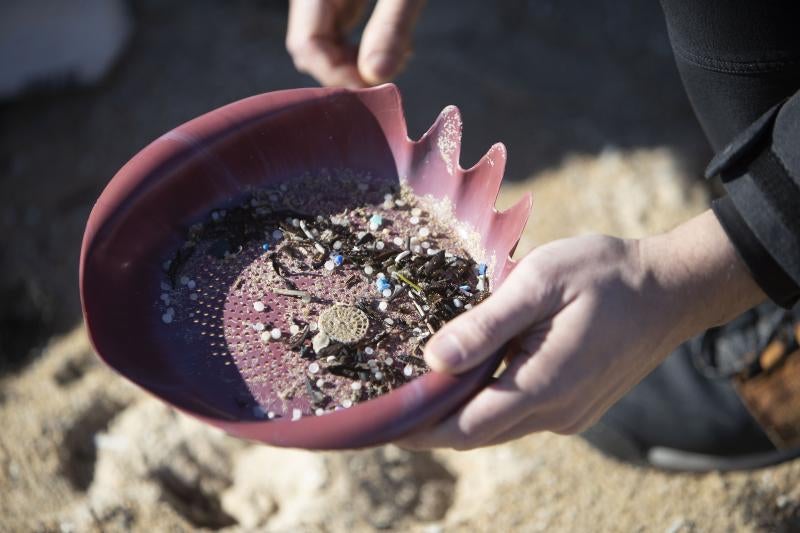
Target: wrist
(695, 278)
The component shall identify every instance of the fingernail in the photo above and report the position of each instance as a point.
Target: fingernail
(448, 351)
(381, 66)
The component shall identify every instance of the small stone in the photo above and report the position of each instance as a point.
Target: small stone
(184, 280)
(165, 286)
(331, 359)
(193, 296)
(457, 303)
(320, 341)
(259, 306)
(259, 412)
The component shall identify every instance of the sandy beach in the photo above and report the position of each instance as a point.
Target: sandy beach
(597, 127)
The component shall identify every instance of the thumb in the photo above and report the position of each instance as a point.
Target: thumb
(386, 41)
(474, 336)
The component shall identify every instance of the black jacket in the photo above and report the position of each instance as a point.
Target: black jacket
(740, 64)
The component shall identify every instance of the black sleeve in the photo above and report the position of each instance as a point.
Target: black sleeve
(740, 64)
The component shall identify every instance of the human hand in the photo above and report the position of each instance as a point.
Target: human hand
(582, 321)
(317, 40)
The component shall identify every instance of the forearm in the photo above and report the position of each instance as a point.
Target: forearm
(695, 276)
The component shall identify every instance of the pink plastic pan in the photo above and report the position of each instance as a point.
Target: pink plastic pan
(210, 162)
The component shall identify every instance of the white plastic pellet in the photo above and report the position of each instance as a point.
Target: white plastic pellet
(424, 231)
(337, 245)
(166, 318)
(356, 385)
(368, 270)
(414, 220)
(408, 370)
(388, 361)
(347, 403)
(398, 241)
(379, 245)
(329, 265)
(258, 306)
(386, 293)
(277, 235)
(258, 326)
(319, 411)
(313, 368)
(369, 350)
(383, 306)
(416, 212)
(265, 336)
(275, 333)
(191, 284)
(294, 329)
(296, 414)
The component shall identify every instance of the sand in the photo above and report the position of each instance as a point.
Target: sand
(82, 450)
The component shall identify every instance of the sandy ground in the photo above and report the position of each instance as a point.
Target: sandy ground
(590, 106)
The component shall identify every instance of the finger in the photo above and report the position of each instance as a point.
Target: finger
(562, 421)
(475, 335)
(317, 45)
(494, 410)
(386, 41)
